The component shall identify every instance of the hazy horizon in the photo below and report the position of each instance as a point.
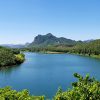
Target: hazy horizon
(22, 20)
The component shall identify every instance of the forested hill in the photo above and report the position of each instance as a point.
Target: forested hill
(49, 39)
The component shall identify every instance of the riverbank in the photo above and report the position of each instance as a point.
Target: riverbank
(19, 59)
(52, 52)
(10, 57)
(86, 55)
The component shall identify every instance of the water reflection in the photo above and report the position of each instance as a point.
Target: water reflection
(8, 70)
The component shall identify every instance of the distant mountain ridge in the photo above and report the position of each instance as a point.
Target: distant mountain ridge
(49, 39)
(13, 45)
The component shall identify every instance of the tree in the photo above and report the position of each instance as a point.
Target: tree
(84, 89)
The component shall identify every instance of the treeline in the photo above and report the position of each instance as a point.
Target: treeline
(45, 49)
(85, 88)
(91, 48)
(84, 48)
(10, 57)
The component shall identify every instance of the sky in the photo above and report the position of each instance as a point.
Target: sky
(22, 20)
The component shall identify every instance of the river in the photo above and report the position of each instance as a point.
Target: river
(42, 74)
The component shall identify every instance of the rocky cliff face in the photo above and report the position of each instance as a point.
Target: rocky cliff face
(49, 39)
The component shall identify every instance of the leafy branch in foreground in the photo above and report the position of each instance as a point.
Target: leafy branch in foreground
(8, 94)
(85, 89)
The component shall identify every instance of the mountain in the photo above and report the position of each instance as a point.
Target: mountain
(49, 40)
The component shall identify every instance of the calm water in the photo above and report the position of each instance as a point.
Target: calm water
(44, 73)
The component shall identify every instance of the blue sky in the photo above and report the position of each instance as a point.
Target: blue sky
(22, 20)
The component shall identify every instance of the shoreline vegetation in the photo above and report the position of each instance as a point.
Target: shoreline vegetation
(10, 57)
(86, 55)
(51, 52)
(90, 49)
(54, 52)
(85, 88)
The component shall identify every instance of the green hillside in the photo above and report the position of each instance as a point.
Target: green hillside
(91, 48)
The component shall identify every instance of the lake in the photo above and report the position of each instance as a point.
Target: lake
(42, 74)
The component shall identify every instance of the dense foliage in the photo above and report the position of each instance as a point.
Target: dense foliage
(8, 94)
(91, 48)
(19, 58)
(85, 89)
(10, 57)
